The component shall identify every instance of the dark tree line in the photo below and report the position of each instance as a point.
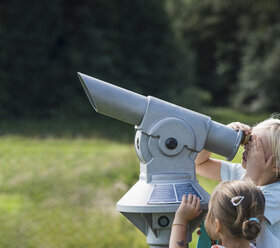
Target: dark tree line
(193, 53)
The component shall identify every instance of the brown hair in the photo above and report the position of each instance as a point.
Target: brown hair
(235, 216)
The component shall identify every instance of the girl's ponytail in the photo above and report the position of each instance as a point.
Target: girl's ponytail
(251, 228)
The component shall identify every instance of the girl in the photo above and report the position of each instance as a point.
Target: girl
(235, 215)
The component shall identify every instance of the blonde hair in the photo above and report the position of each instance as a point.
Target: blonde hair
(236, 217)
(271, 127)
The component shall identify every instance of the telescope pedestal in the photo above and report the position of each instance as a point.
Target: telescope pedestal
(151, 207)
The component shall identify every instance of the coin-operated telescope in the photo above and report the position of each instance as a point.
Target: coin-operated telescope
(167, 140)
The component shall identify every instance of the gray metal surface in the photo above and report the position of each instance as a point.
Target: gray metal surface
(223, 140)
(114, 101)
(167, 141)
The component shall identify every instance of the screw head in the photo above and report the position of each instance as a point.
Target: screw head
(171, 143)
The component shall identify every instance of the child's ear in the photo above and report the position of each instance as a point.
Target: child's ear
(218, 227)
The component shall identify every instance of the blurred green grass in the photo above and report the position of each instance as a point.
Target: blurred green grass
(62, 192)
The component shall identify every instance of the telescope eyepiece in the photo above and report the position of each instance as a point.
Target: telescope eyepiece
(246, 139)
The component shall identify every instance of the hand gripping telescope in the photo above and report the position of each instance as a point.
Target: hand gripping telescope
(167, 140)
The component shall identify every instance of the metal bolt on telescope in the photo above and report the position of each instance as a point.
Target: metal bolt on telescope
(167, 140)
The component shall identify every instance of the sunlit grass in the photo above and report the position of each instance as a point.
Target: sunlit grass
(62, 193)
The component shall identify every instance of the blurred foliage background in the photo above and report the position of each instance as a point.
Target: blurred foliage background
(193, 53)
(62, 166)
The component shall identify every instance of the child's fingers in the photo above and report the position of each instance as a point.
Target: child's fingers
(184, 199)
(245, 128)
(240, 126)
(194, 201)
(249, 146)
(198, 213)
(269, 161)
(190, 198)
(259, 144)
(197, 205)
(254, 144)
(234, 125)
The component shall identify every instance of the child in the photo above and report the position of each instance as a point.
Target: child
(261, 163)
(235, 215)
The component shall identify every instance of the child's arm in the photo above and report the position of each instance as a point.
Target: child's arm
(188, 210)
(208, 167)
(211, 168)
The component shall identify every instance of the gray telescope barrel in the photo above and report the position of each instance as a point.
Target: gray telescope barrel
(223, 140)
(114, 101)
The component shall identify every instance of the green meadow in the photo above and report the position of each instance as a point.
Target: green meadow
(59, 188)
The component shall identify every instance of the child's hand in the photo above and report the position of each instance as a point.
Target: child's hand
(188, 210)
(240, 126)
(256, 163)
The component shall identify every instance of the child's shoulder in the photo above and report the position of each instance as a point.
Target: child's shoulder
(271, 191)
(272, 202)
